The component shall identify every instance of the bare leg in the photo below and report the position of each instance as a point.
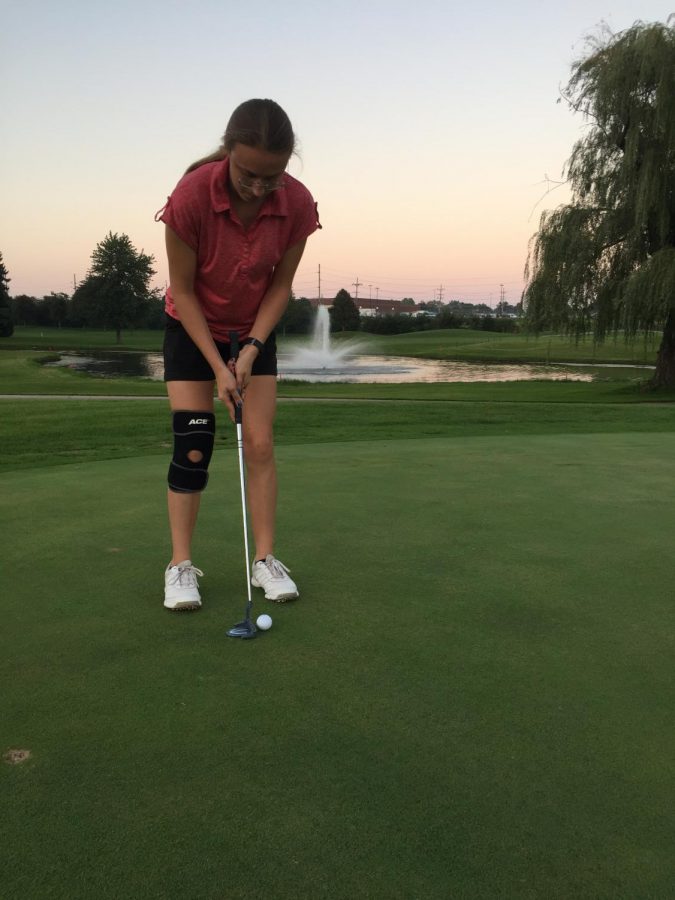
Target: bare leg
(184, 508)
(259, 410)
(183, 512)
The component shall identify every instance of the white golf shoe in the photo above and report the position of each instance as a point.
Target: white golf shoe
(272, 575)
(181, 589)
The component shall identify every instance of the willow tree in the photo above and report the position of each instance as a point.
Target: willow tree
(605, 262)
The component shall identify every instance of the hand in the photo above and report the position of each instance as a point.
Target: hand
(228, 392)
(247, 356)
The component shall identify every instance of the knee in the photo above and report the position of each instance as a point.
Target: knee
(258, 449)
(194, 434)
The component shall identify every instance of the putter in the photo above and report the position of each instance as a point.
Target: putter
(246, 629)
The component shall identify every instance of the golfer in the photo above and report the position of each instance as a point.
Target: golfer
(236, 227)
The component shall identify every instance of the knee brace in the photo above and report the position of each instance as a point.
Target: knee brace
(193, 438)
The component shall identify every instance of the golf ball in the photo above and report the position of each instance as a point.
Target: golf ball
(264, 622)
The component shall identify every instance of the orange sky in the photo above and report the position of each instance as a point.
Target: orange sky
(425, 134)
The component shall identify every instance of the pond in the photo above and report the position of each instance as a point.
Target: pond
(359, 368)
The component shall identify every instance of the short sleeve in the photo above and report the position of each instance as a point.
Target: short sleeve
(182, 214)
(306, 219)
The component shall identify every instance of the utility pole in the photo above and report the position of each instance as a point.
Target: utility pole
(319, 282)
(440, 294)
(377, 293)
(357, 284)
(370, 292)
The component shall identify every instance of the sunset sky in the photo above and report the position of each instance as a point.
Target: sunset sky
(426, 129)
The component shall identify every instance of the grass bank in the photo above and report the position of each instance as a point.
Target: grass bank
(482, 346)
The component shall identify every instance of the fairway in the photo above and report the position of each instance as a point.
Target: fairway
(472, 698)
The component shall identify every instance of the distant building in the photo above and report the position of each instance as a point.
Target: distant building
(374, 307)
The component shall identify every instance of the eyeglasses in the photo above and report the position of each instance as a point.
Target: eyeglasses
(266, 184)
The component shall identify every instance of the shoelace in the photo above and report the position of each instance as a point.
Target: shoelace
(188, 573)
(276, 568)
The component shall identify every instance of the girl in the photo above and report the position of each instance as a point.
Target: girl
(236, 226)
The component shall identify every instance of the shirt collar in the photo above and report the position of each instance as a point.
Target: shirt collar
(276, 203)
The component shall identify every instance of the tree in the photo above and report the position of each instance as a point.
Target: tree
(605, 262)
(116, 291)
(344, 314)
(391, 323)
(154, 315)
(24, 309)
(56, 308)
(431, 305)
(449, 317)
(298, 316)
(6, 321)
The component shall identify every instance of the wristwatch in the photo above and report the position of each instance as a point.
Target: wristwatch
(256, 343)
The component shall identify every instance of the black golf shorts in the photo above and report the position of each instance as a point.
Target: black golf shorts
(183, 360)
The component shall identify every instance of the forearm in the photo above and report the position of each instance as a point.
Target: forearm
(271, 310)
(276, 299)
(193, 321)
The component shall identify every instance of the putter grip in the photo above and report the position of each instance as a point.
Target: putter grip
(234, 353)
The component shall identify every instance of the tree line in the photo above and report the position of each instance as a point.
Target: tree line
(115, 294)
(346, 316)
(57, 310)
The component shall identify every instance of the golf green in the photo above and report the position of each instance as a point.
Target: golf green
(472, 698)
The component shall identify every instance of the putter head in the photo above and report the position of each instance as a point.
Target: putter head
(244, 630)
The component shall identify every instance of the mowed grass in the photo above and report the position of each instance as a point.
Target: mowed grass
(473, 697)
(51, 432)
(28, 337)
(491, 346)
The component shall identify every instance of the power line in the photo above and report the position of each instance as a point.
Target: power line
(474, 288)
(431, 281)
(408, 288)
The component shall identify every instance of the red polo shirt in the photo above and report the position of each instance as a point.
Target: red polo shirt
(234, 264)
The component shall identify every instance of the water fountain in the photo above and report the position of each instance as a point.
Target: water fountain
(325, 361)
(321, 357)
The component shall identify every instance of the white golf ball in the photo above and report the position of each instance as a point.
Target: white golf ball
(264, 622)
